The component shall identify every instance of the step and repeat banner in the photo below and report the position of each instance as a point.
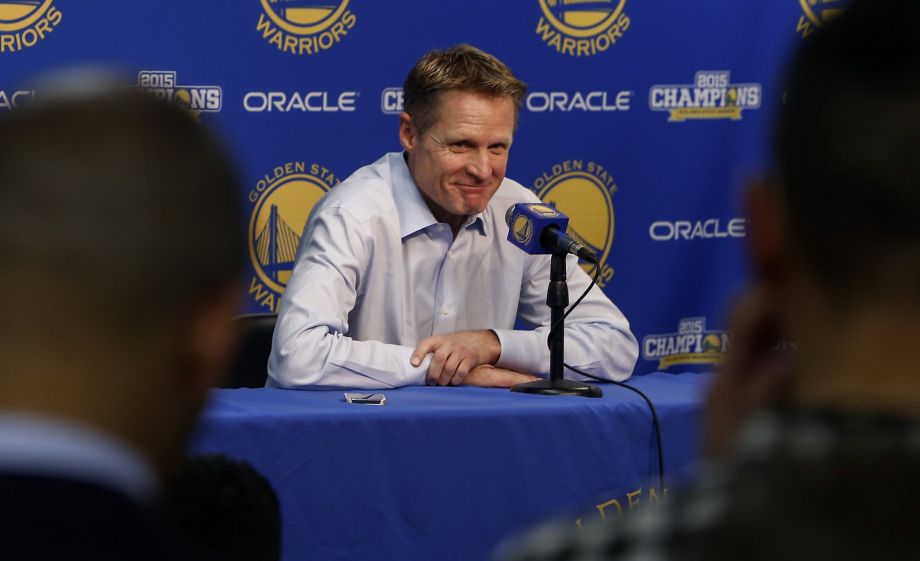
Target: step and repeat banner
(643, 122)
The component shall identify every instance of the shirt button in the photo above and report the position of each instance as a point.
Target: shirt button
(444, 310)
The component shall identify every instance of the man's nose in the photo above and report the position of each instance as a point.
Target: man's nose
(479, 165)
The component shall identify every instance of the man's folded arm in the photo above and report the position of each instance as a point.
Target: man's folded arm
(597, 335)
(310, 348)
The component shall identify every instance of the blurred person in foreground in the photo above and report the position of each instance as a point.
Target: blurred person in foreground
(225, 506)
(120, 249)
(405, 275)
(827, 462)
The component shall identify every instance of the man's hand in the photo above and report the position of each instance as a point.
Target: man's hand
(755, 374)
(488, 376)
(454, 355)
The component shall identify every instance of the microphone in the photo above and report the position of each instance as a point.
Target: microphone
(540, 228)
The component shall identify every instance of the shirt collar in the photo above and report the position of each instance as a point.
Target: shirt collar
(51, 447)
(414, 214)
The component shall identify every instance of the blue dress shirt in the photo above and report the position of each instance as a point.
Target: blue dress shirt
(376, 273)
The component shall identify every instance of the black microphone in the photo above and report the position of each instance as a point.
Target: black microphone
(539, 228)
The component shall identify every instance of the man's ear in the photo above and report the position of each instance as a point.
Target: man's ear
(767, 236)
(212, 338)
(407, 134)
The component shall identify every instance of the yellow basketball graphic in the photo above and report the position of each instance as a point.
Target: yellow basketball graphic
(582, 18)
(588, 204)
(712, 343)
(183, 98)
(276, 224)
(16, 15)
(304, 17)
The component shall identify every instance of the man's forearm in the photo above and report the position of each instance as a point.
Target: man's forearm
(318, 357)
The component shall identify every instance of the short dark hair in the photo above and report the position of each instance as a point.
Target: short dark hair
(119, 207)
(224, 505)
(846, 149)
(463, 68)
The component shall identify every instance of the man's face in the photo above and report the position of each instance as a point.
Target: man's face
(460, 161)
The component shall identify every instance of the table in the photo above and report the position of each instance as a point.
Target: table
(448, 473)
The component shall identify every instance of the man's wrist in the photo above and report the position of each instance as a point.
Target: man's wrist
(495, 347)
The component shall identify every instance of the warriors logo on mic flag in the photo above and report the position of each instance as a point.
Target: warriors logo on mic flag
(539, 228)
(525, 219)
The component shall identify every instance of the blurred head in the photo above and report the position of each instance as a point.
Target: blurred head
(461, 110)
(120, 244)
(845, 146)
(225, 506)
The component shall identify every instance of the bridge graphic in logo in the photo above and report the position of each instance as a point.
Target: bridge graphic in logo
(581, 14)
(276, 246)
(304, 12)
(282, 201)
(12, 11)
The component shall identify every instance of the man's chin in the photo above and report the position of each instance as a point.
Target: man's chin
(475, 203)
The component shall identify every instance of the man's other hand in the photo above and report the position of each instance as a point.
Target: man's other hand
(756, 373)
(455, 355)
(489, 376)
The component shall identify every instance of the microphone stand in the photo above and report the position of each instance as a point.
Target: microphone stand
(557, 298)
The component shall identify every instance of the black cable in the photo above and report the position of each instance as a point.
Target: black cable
(655, 422)
(651, 406)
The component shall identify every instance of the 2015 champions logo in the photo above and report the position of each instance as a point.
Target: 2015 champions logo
(281, 202)
(164, 84)
(710, 96)
(584, 191)
(581, 27)
(815, 13)
(23, 23)
(693, 344)
(305, 27)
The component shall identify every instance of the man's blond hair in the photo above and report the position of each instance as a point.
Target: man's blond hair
(459, 68)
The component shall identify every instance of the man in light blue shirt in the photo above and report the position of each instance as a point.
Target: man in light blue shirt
(405, 275)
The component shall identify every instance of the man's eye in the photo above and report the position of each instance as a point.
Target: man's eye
(499, 150)
(460, 145)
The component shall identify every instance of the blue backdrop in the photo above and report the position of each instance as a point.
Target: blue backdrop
(643, 121)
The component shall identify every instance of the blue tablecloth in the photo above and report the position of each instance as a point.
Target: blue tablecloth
(447, 473)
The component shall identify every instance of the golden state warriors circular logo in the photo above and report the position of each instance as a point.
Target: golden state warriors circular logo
(304, 27)
(584, 191)
(23, 23)
(582, 27)
(523, 229)
(815, 13)
(281, 201)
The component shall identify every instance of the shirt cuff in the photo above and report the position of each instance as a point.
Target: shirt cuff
(523, 351)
